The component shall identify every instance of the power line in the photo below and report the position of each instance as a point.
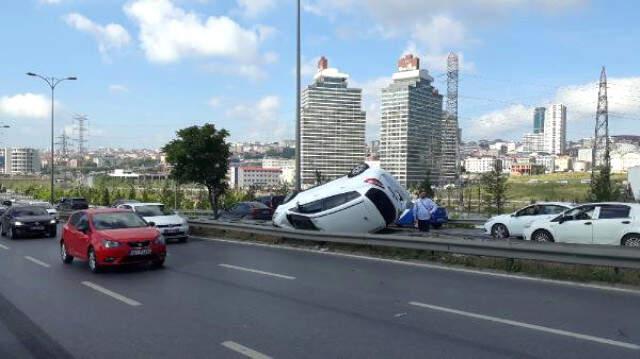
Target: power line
(82, 132)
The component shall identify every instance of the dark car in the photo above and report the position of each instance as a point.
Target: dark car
(271, 201)
(72, 204)
(248, 210)
(20, 221)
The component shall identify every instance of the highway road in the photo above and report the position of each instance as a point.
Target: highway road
(222, 299)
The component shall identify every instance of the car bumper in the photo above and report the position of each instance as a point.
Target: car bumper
(121, 255)
(30, 230)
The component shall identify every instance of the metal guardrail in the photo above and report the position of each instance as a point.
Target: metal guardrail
(596, 255)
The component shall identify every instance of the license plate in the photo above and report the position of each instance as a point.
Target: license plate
(37, 228)
(140, 252)
(172, 231)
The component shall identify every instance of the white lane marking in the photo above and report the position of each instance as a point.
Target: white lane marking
(257, 271)
(248, 352)
(529, 326)
(4, 247)
(112, 294)
(37, 261)
(434, 266)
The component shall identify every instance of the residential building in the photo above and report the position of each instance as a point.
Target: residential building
(410, 125)
(479, 164)
(22, 161)
(332, 126)
(555, 129)
(538, 119)
(250, 176)
(287, 166)
(621, 162)
(533, 142)
(585, 154)
(563, 163)
(544, 160)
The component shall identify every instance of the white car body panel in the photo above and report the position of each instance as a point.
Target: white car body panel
(171, 226)
(594, 230)
(516, 224)
(359, 215)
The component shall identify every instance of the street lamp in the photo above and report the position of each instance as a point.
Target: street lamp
(52, 82)
(298, 146)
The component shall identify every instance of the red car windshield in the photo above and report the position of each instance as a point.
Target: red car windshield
(117, 220)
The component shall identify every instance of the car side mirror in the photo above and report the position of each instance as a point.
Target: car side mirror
(562, 220)
(151, 224)
(513, 214)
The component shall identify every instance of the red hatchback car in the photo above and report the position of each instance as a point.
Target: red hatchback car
(111, 237)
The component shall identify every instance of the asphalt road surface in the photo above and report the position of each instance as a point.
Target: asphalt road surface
(219, 299)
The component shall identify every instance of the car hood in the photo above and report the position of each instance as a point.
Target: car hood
(29, 219)
(130, 234)
(502, 217)
(164, 220)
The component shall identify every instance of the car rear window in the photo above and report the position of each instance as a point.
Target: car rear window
(614, 212)
(117, 220)
(259, 205)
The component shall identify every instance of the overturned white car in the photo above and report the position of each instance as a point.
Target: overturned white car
(366, 200)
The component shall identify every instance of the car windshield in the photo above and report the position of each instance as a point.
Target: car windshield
(153, 210)
(42, 205)
(29, 211)
(117, 220)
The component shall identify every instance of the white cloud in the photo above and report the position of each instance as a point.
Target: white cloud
(255, 8)
(26, 105)
(440, 33)
(50, 2)
(109, 37)
(117, 88)
(581, 101)
(214, 102)
(261, 120)
(169, 33)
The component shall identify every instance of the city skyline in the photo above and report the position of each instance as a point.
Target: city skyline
(138, 84)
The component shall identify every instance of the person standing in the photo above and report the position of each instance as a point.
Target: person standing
(422, 210)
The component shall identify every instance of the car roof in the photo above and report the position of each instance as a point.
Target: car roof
(565, 204)
(104, 210)
(635, 205)
(138, 204)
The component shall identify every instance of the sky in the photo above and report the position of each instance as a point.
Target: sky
(146, 68)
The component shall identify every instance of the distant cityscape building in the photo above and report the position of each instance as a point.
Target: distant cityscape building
(286, 165)
(332, 126)
(538, 119)
(533, 142)
(250, 176)
(555, 129)
(21, 161)
(411, 125)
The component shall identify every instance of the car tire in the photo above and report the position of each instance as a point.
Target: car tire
(157, 264)
(499, 231)
(542, 235)
(183, 240)
(358, 170)
(52, 233)
(92, 261)
(2, 231)
(64, 255)
(631, 240)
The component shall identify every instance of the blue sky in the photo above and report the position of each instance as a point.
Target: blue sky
(149, 67)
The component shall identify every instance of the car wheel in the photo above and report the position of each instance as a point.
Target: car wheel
(64, 255)
(183, 240)
(358, 170)
(93, 262)
(10, 233)
(631, 240)
(157, 264)
(52, 233)
(542, 236)
(499, 231)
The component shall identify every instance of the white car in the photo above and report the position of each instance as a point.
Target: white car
(171, 225)
(594, 223)
(364, 201)
(512, 225)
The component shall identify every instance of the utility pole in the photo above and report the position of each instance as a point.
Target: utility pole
(82, 132)
(600, 150)
(298, 141)
(63, 149)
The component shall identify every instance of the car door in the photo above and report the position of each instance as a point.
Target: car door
(612, 223)
(83, 237)
(522, 218)
(576, 226)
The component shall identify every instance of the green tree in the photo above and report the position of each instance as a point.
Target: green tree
(200, 155)
(106, 197)
(318, 175)
(425, 186)
(495, 187)
(132, 193)
(602, 190)
(145, 195)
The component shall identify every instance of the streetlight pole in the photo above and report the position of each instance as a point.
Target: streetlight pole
(52, 82)
(298, 141)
